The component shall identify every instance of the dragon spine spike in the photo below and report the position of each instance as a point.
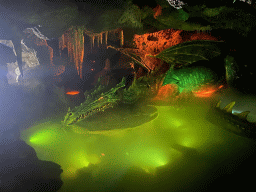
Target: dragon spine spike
(218, 104)
(243, 115)
(229, 107)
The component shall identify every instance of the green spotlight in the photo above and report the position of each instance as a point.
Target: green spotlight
(43, 137)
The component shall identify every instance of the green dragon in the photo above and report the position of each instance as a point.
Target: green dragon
(143, 88)
(103, 97)
(96, 101)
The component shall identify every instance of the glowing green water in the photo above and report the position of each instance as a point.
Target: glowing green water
(178, 145)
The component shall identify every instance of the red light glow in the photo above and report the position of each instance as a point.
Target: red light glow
(73, 93)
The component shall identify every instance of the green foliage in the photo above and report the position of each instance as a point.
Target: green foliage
(106, 21)
(152, 22)
(182, 15)
(163, 3)
(176, 19)
(190, 52)
(211, 12)
(131, 17)
(146, 11)
(168, 17)
(234, 18)
(193, 27)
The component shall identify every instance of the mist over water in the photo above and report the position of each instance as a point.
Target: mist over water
(178, 150)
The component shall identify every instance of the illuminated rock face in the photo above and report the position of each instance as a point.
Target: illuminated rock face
(80, 46)
(154, 43)
(35, 54)
(28, 57)
(6, 55)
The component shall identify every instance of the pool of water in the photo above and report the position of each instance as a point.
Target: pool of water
(154, 148)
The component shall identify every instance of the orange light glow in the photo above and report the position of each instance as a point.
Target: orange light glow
(73, 93)
(154, 43)
(158, 11)
(165, 92)
(207, 92)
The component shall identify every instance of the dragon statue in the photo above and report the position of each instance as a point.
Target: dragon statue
(102, 98)
(235, 123)
(145, 88)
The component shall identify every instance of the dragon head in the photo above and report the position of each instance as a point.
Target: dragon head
(98, 100)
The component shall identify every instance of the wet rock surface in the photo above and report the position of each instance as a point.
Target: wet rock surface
(21, 170)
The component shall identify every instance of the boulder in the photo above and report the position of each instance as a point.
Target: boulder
(20, 168)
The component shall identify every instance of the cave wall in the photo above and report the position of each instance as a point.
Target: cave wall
(37, 58)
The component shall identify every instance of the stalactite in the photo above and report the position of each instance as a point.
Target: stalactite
(82, 59)
(69, 49)
(121, 38)
(93, 37)
(74, 57)
(91, 44)
(73, 40)
(79, 50)
(106, 38)
(61, 43)
(101, 38)
(98, 40)
(76, 51)
(51, 54)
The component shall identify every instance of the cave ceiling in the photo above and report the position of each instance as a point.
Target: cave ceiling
(99, 16)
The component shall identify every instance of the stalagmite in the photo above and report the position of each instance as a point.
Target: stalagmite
(101, 38)
(98, 40)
